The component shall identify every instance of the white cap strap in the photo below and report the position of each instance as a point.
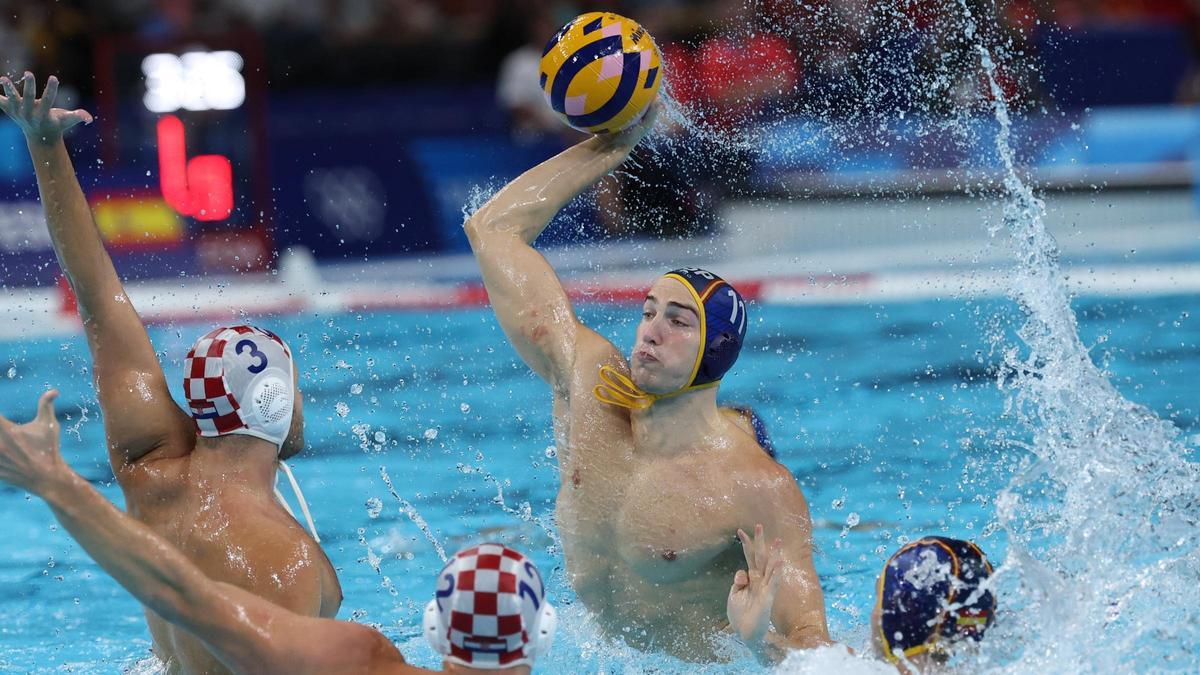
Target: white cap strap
(299, 498)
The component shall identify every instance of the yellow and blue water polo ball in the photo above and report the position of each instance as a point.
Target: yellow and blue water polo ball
(600, 72)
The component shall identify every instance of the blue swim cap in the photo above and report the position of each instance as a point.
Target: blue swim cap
(722, 313)
(723, 319)
(929, 591)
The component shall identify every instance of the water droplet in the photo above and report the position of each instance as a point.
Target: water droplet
(356, 389)
(465, 407)
(374, 507)
(341, 409)
(380, 437)
(430, 434)
(12, 372)
(852, 519)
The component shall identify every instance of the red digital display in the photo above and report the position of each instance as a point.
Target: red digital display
(201, 187)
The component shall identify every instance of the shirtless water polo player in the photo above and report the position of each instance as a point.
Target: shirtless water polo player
(205, 482)
(249, 634)
(655, 479)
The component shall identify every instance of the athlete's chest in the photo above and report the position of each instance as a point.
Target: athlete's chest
(674, 521)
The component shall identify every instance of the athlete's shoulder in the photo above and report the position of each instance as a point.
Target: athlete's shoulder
(751, 466)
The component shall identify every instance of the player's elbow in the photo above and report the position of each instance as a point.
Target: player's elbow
(471, 227)
(806, 637)
(478, 226)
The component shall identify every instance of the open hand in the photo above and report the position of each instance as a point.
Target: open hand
(37, 117)
(753, 592)
(29, 453)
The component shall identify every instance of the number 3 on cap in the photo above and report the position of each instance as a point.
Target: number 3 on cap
(254, 353)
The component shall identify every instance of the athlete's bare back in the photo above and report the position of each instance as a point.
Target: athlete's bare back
(213, 498)
(225, 518)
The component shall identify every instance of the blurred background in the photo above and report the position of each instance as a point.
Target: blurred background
(316, 159)
(359, 132)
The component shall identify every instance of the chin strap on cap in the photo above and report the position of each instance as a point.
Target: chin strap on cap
(619, 390)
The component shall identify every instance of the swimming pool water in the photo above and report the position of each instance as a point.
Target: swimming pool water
(888, 415)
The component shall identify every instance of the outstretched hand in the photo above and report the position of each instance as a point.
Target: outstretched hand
(29, 453)
(37, 117)
(752, 595)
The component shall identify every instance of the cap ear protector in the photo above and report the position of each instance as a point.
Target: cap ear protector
(543, 638)
(723, 348)
(271, 402)
(434, 635)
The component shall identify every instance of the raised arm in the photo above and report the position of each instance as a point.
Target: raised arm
(526, 294)
(246, 633)
(139, 415)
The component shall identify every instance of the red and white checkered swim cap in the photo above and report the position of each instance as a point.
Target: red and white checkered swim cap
(239, 380)
(490, 610)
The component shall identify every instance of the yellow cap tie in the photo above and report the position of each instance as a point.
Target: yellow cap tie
(617, 389)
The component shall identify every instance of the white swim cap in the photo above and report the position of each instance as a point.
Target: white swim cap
(239, 380)
(490, 611)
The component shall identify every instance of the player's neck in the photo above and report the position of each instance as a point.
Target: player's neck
(244, 460)
(679, 423)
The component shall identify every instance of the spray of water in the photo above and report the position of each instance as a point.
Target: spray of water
(411, 512)
(1102, 517)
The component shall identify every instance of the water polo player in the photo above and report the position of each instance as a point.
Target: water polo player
(655, 479)
(489, 614)
(204, 480)
(931, 596)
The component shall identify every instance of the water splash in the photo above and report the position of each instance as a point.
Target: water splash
(375, 561)
(1102, 516)
(409, 510)
(523, 511)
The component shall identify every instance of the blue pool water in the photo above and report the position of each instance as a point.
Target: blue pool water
(888, 415)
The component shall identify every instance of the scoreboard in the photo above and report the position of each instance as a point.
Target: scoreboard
(183, 136)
